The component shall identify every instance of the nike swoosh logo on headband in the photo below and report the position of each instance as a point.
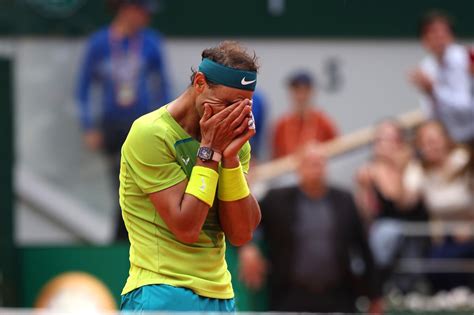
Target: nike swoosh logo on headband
(244, 82)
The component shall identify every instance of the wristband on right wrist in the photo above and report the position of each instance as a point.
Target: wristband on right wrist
(203, 184)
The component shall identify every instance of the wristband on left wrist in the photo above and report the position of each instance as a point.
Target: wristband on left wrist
(232, 184)
(230, 162)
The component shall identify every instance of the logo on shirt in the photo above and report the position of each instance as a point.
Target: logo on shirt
(185, 160)
(244, 82)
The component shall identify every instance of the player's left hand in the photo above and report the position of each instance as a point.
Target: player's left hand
(246, 131)
(421, 80)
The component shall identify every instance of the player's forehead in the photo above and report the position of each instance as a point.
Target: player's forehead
(230, 95)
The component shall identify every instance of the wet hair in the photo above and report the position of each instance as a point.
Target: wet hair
(230, 54)
(431, 17)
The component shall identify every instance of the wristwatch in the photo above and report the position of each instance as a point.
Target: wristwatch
(207, 154)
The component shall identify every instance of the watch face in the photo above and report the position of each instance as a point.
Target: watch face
(205, 154)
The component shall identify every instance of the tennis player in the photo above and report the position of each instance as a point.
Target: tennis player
(183, 189)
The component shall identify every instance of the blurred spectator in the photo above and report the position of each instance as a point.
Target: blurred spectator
(304, 122)
(126, 60)
(313, 233)
(445, 78)
(441, 180)
(378, 195)
(259, 110)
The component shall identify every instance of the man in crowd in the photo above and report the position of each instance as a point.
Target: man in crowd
(173, 161)
(444, 77)
(304, 123)
(126, 60)
(314, 238)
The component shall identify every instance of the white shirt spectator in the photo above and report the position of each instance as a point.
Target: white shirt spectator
(446, 194)
(452, 102)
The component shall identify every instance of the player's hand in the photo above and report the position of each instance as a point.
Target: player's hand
(252, 267)
(421, 80)
(244, 131)
(93, 140)
(219, 130)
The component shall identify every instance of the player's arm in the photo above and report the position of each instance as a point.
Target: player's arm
(185, 213)
(239, 219)
(184, 206)
(239, 212)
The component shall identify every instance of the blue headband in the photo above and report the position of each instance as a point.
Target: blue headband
(219, 74)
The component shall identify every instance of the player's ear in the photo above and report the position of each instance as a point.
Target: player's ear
(200, 82)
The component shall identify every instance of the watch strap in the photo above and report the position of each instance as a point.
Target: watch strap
(216, 156)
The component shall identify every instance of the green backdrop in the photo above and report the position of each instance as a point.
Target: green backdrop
(301, 18)
(8, 262)
(109, 264)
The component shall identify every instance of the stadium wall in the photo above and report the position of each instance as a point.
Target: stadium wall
(275, 18)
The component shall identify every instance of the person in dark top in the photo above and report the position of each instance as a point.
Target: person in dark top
(379, 197)
(314, 235)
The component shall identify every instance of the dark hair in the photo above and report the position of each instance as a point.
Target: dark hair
(433, 16)
(301, 78)
(230, 54)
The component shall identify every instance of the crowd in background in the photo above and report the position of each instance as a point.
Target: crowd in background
(325, 246)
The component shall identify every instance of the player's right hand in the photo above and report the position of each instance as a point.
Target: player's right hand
(218, 131)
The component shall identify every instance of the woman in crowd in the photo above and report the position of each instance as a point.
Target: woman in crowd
(379, 192)
(441, 179)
